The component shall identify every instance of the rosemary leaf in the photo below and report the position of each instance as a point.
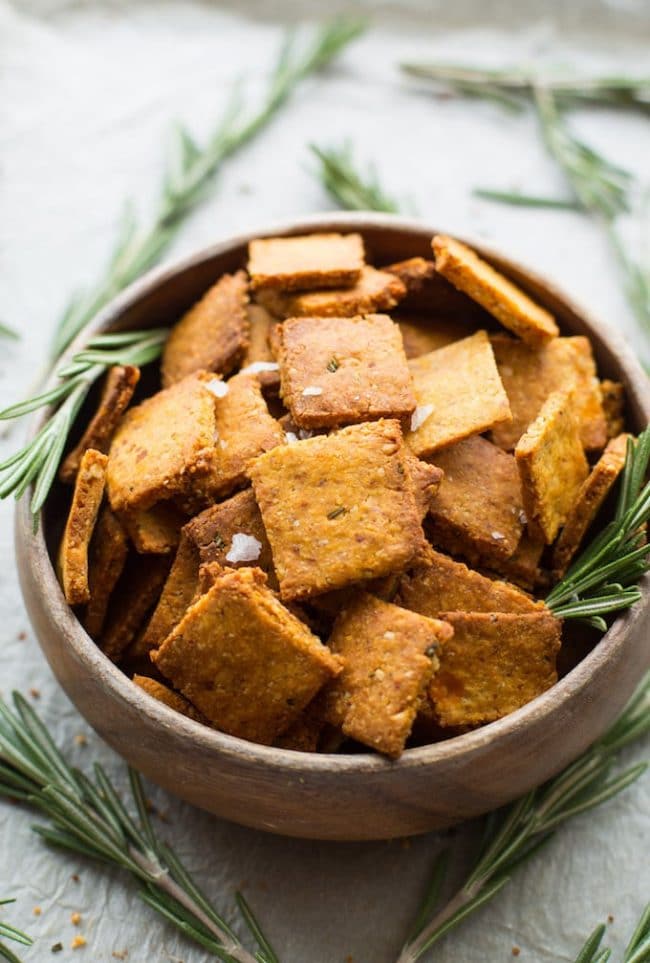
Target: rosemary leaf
(8, 932)
(636, 951)
(8, 332)
(525, 200)
(190, 169)
(346, 185)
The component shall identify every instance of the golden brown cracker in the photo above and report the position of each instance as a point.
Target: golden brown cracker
(338, 508)
(305, 262)
(259, 358)
(414, 272)
(458, 392)
(552, 466)
(422, 334)
(493, 664)
(177, 595)
(426, 480)
(494, 292)
(478, 511)
(374, 291)
(162, 693)
(337, 371)
(612, 394)
(389, 656)
(136, 593)
(155, 530)
(244, 660)
(86, 501)
(213, 335)
(523, 566)
(589, 499)
(106, 559)
(119, 384)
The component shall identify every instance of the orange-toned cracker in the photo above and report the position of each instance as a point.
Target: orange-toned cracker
(119, 385)
(337, 371)
(374, 291)
(589, 499)
(426, 480)
(162, 693)
(552, 466)
(493, 664)
(530, 375)
(437, 583)
(106, 559)
(305, 262)
(213, 335)
(414, 272)
(422, 334)
(338, 509)
(458, 392)
(155, 530)
(135, 595)
(163, 445)
(176, 597)
(612, 395)
(389, 657)
(523, 566)
(259, 358)
(86, 501)
(494, 292)
(244, 660)
(478, 510)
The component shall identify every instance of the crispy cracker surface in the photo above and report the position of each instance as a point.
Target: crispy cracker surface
(305, 262)
(176, 597)
(389, 657)
(425, 479)
(494, 292)
(168, 697)
(493, 664)
(244, 660)
(107, 556)
(213, 335)
(612, 395)
(86, 501)
(338, 509)
(552, 466)
(337, 371)
(458, 392)
(374, 291)
(155, 530)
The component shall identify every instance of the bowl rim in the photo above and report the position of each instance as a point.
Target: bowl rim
(460, 748)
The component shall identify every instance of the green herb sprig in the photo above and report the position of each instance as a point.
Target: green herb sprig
(38, 461)
(519, 199)
(350, 188)
(516, 833)
(7, 332)
(8, 932)
(636, 951)
(87, 816)
(191, 167)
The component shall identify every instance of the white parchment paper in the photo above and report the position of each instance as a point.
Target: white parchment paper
(87, 94)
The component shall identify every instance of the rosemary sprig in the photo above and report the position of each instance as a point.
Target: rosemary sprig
(87, 816)
(190, 168)
(8, 332)
(603, 579)
(516, 833)
(351, 189)
(519, 199)
(38, 461)
(636, 951)
(8, 932)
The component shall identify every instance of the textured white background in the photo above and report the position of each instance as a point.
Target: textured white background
(88, 92)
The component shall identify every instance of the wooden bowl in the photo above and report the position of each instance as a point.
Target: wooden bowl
(319, 796)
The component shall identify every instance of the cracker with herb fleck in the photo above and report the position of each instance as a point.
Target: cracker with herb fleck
(73, 550)
(305, 262)
(374, 291)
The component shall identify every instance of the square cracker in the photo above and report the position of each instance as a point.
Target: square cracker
(155, 530)
(478, 511)
(590, 497)
(244, 660)
(493, 664)
(73, 551)
(494, 292)
(552, 466)
(106, 559)
(162, 693)
(374, 291)
(389, 657)
(530, 375)
(437, 583)
(305, 262)
(162, 446)
(337, 371)
(213, 335)
(338, 509)
(259, 358)
(458, 392)
(119, 385)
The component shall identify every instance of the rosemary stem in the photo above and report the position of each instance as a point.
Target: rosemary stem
(462, 898)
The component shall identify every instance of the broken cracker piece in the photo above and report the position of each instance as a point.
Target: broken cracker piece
(552, 466)
(73, 551)
(338, 509)
(155, 530)
(244, 660)
(177, 595)
(374, 291)
(426, 480)
(337, 371)
(135, 595)
(478, 511)
(119, 385)
(458, 392)
(589, 499)
(413, 272)
(389, 656)
(612, 395)
(213, 335)
(305, 262)
(494, 292)
(162, 693)
(493, 664)
(106, 559)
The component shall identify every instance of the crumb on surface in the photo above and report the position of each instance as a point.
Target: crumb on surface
(516, 951)
(35, 693)
(37, 911)
(78, 942)
(80, 739)
(75, 919)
